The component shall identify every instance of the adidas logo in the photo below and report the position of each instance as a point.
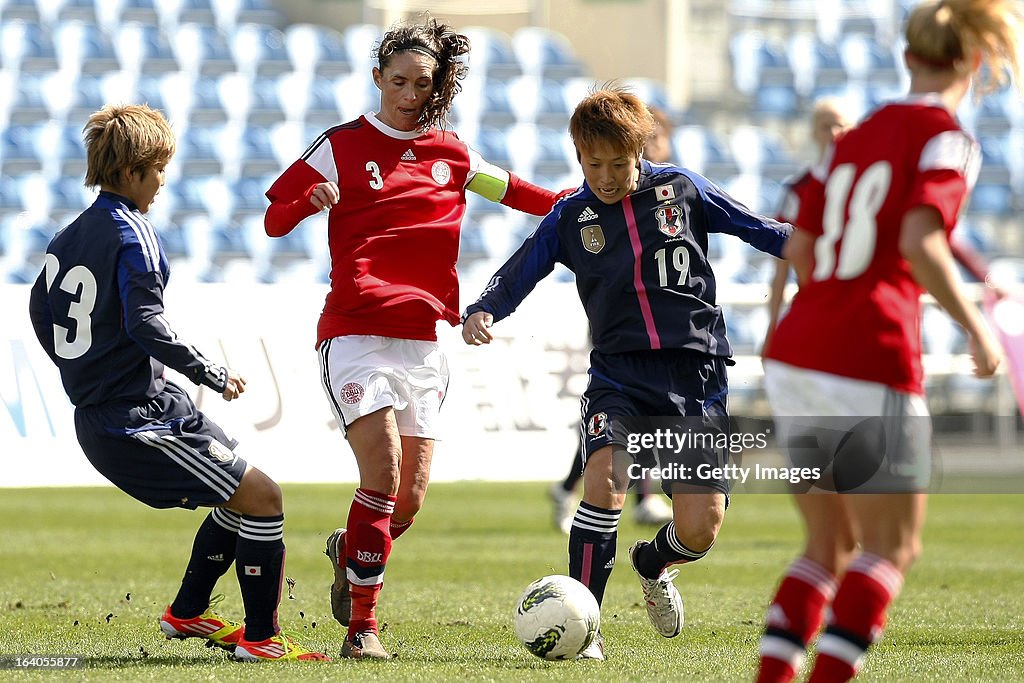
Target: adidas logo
(611, 563)
(408, 156)
(587, 215)
(219, 557)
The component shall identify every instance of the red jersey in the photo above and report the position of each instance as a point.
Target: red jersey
(859, 315)
(795, 188)
(394, 235)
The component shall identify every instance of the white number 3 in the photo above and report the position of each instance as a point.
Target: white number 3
(376, 182)
(78, 281)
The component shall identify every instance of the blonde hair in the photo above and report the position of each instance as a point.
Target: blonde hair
(944, 34)
(614, 115)
(126, 137)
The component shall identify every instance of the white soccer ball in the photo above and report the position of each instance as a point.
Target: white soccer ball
(557, 617)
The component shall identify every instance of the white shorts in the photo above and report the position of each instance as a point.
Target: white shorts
(867, 436)
(362, 374)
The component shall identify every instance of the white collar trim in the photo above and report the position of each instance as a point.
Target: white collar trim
(371, 117)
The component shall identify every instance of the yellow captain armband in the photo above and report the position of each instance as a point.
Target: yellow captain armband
(490, 182)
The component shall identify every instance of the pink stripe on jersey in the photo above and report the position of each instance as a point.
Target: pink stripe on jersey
(638, 280)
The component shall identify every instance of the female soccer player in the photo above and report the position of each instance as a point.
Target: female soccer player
(395, 184)
(844, 366)
(636, 237)
(828, 120)
(98, 310)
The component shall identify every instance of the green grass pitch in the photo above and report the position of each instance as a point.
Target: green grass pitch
(88, 571)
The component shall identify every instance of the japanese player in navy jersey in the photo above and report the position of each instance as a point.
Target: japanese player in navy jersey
(873, 233)
(635, 235)
(97, 309)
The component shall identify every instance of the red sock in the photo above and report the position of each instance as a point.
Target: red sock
(793, 619)
(399, 528)
(858, 617)
(367, 546)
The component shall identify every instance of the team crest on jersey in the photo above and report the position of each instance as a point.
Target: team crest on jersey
(593, 238)
(352, 393)
(441, 172)
(220, 451)
(598, 424)
(670, 219)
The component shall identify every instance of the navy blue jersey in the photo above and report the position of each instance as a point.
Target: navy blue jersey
(98, 309)
(641, 265)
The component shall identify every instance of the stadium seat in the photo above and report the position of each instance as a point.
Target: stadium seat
(546, 54)
(652, 92)
(991, 199)
(71, 150)
(745, 57)
(200, 150)
(865, 59)
(316, 49)
(259, 50)
(21, 148)
(780, 101)
(84, 95)
(360, 43)
(111, 15)
(202, 50)
(68, 195)
(356, 94)
(205, 106)
(144, 49)
(26, 47)
(24, 10)
(189, 11)
(697, 148)
(25, 241)
(83, 47)
(555, 154)
(492, 55)
(249, 192)
(77, 10)
(759, 152)
(27, 98)
(235, 12)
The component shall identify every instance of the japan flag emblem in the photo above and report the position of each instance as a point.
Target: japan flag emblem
(664, 193)
(670, 219)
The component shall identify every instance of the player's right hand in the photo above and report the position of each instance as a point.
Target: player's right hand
(325, 195)
(475, 331)
(235, 386)
(986, 353)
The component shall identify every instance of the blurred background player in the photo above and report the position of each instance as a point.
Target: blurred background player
(395, 184)
(650, 507)
(635, 235)
(97, 309)
(871, 238)
(827, 121)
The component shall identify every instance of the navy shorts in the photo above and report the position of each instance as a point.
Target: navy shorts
(643, 392)
(164, 453)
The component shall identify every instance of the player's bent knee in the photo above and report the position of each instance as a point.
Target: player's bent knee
(257, 495)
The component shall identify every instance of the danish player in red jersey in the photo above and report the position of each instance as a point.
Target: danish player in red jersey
(828, 120)
(872, 237)
(395, 185)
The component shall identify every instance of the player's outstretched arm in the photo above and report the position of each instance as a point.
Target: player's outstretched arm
(282, 216)
(924, 245)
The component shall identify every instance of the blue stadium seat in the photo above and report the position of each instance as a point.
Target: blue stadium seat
(492, 54)
(492, 143)
(27, 102)
(249, 193)
(198, 11)
(546, 54)
(77, 10)
(991, 199)
(21, 148)
(68, 194)
(317, 49)
(200, 150)
(264, 12)
(26, 47)
(202, 49)
(865, 59)
(260, 50)
(652, 92)
(83, 47)
(72, 150)
(554, 156)
(144, 48)
(206, 105)
(25, 10)
(25, 240)
(698, 149)
(113, 14)
(780, 101)
(360, 43)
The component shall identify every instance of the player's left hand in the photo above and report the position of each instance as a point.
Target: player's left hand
(475, 331)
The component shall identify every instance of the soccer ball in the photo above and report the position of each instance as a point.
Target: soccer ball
(557, 617)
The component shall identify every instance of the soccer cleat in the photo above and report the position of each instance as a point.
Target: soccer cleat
(276, 649)
(564, 509)
(364, 645)
(214, 628)
(664, 604)
(652, 510)
(341, 601)
(595, 650)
